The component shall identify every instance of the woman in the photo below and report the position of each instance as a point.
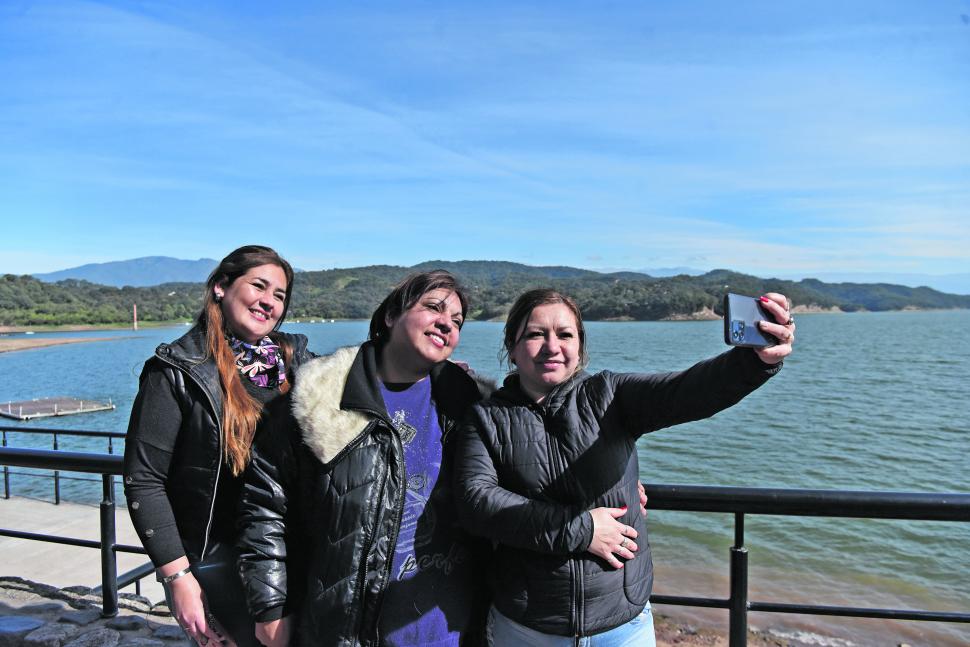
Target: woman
(536, 458)
(199, 403)
(347, 510)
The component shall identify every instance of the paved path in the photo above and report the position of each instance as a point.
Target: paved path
(57, 564)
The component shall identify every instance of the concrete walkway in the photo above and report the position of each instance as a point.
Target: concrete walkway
(60, 565)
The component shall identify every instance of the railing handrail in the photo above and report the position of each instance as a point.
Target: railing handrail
(109, 464)
(63, 432)
(874, 504)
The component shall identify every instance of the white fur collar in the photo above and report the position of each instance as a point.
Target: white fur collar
(317, 391)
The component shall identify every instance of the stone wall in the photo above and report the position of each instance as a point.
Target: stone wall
(38, 615)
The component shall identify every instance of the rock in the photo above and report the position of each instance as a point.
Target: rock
(100, 637)
(82, 617)
(54, 634)
(142, 642)
(127, 623)
(43, 607)
(132, 602)
(14, 628)
(169, 632)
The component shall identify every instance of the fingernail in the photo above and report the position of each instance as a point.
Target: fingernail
(763, 299)
(622, 507)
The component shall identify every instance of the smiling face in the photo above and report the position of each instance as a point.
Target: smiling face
(421, 336)
(253, 303)
(548, 349)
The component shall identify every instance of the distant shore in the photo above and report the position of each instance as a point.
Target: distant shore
(28, 343)
(87, 327)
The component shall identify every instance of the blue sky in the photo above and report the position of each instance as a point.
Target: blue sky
(773, 138)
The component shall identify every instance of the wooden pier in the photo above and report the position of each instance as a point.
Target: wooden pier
(48, 407)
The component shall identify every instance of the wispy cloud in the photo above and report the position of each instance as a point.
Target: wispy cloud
(761, 138)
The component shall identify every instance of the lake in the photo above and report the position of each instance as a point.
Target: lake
(869, 401)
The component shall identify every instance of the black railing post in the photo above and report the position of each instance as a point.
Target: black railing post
(57, 478)
(6, 473)
(738, 630)
(109, 559)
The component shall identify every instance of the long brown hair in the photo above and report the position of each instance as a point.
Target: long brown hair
(240, 411)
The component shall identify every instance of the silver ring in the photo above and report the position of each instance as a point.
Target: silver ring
(790, 321)
(623, 543)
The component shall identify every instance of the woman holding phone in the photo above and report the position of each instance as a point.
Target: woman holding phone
(547, 469)
(199, 403)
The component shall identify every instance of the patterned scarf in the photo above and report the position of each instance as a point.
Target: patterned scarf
(261, 362)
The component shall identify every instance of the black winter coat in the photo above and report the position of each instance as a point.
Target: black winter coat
(323, 499)
(527, 475)
(173, 465)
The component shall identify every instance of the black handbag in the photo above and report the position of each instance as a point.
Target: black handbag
(218, 576)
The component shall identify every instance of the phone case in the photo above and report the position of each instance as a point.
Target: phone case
(741, 317)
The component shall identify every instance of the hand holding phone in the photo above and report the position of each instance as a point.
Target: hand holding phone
(741, 317)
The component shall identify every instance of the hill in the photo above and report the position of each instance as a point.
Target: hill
(353, 293)
(138, 272)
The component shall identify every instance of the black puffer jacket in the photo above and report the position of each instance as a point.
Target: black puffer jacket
(328, 481)
(173, 458)
(527, 475)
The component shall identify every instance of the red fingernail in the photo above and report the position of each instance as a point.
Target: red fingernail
(764, 299)
(623, 507)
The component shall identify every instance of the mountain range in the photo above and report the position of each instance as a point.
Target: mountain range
(353, 293)
(156, 270)
(137, 272)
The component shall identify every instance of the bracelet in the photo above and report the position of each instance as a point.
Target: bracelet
(174, 576)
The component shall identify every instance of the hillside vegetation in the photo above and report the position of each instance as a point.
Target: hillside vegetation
(353, 293)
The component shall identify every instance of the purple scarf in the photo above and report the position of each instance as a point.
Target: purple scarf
(261, 362)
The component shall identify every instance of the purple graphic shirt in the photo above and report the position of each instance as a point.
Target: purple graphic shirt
(429, 581)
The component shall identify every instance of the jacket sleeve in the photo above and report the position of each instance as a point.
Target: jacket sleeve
(264, 516)
(655, 401)
(153, 429)
(488, 510)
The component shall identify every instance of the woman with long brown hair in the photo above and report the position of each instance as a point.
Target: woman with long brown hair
(199, 404)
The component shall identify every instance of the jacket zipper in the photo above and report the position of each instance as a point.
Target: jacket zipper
(399, 510)
(215, 486)
(398, 513)
(577, 608)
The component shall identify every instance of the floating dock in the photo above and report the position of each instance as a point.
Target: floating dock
(48, 407)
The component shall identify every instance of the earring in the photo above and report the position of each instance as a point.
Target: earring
(219, 296)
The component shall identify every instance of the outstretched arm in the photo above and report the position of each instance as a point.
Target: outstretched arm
(655, 401)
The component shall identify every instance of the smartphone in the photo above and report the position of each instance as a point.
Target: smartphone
(741, 317)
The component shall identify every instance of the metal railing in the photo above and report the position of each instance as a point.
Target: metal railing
(54, 434)
(954, 507)
(108, 466)
(805, 503)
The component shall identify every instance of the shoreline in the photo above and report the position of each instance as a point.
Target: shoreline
(15, 345)
(45, 328)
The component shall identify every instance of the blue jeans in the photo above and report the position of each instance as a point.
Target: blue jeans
(638, 632)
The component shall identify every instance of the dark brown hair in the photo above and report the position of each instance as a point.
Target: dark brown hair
(240, 411)
(521, 311)
(406, 293)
